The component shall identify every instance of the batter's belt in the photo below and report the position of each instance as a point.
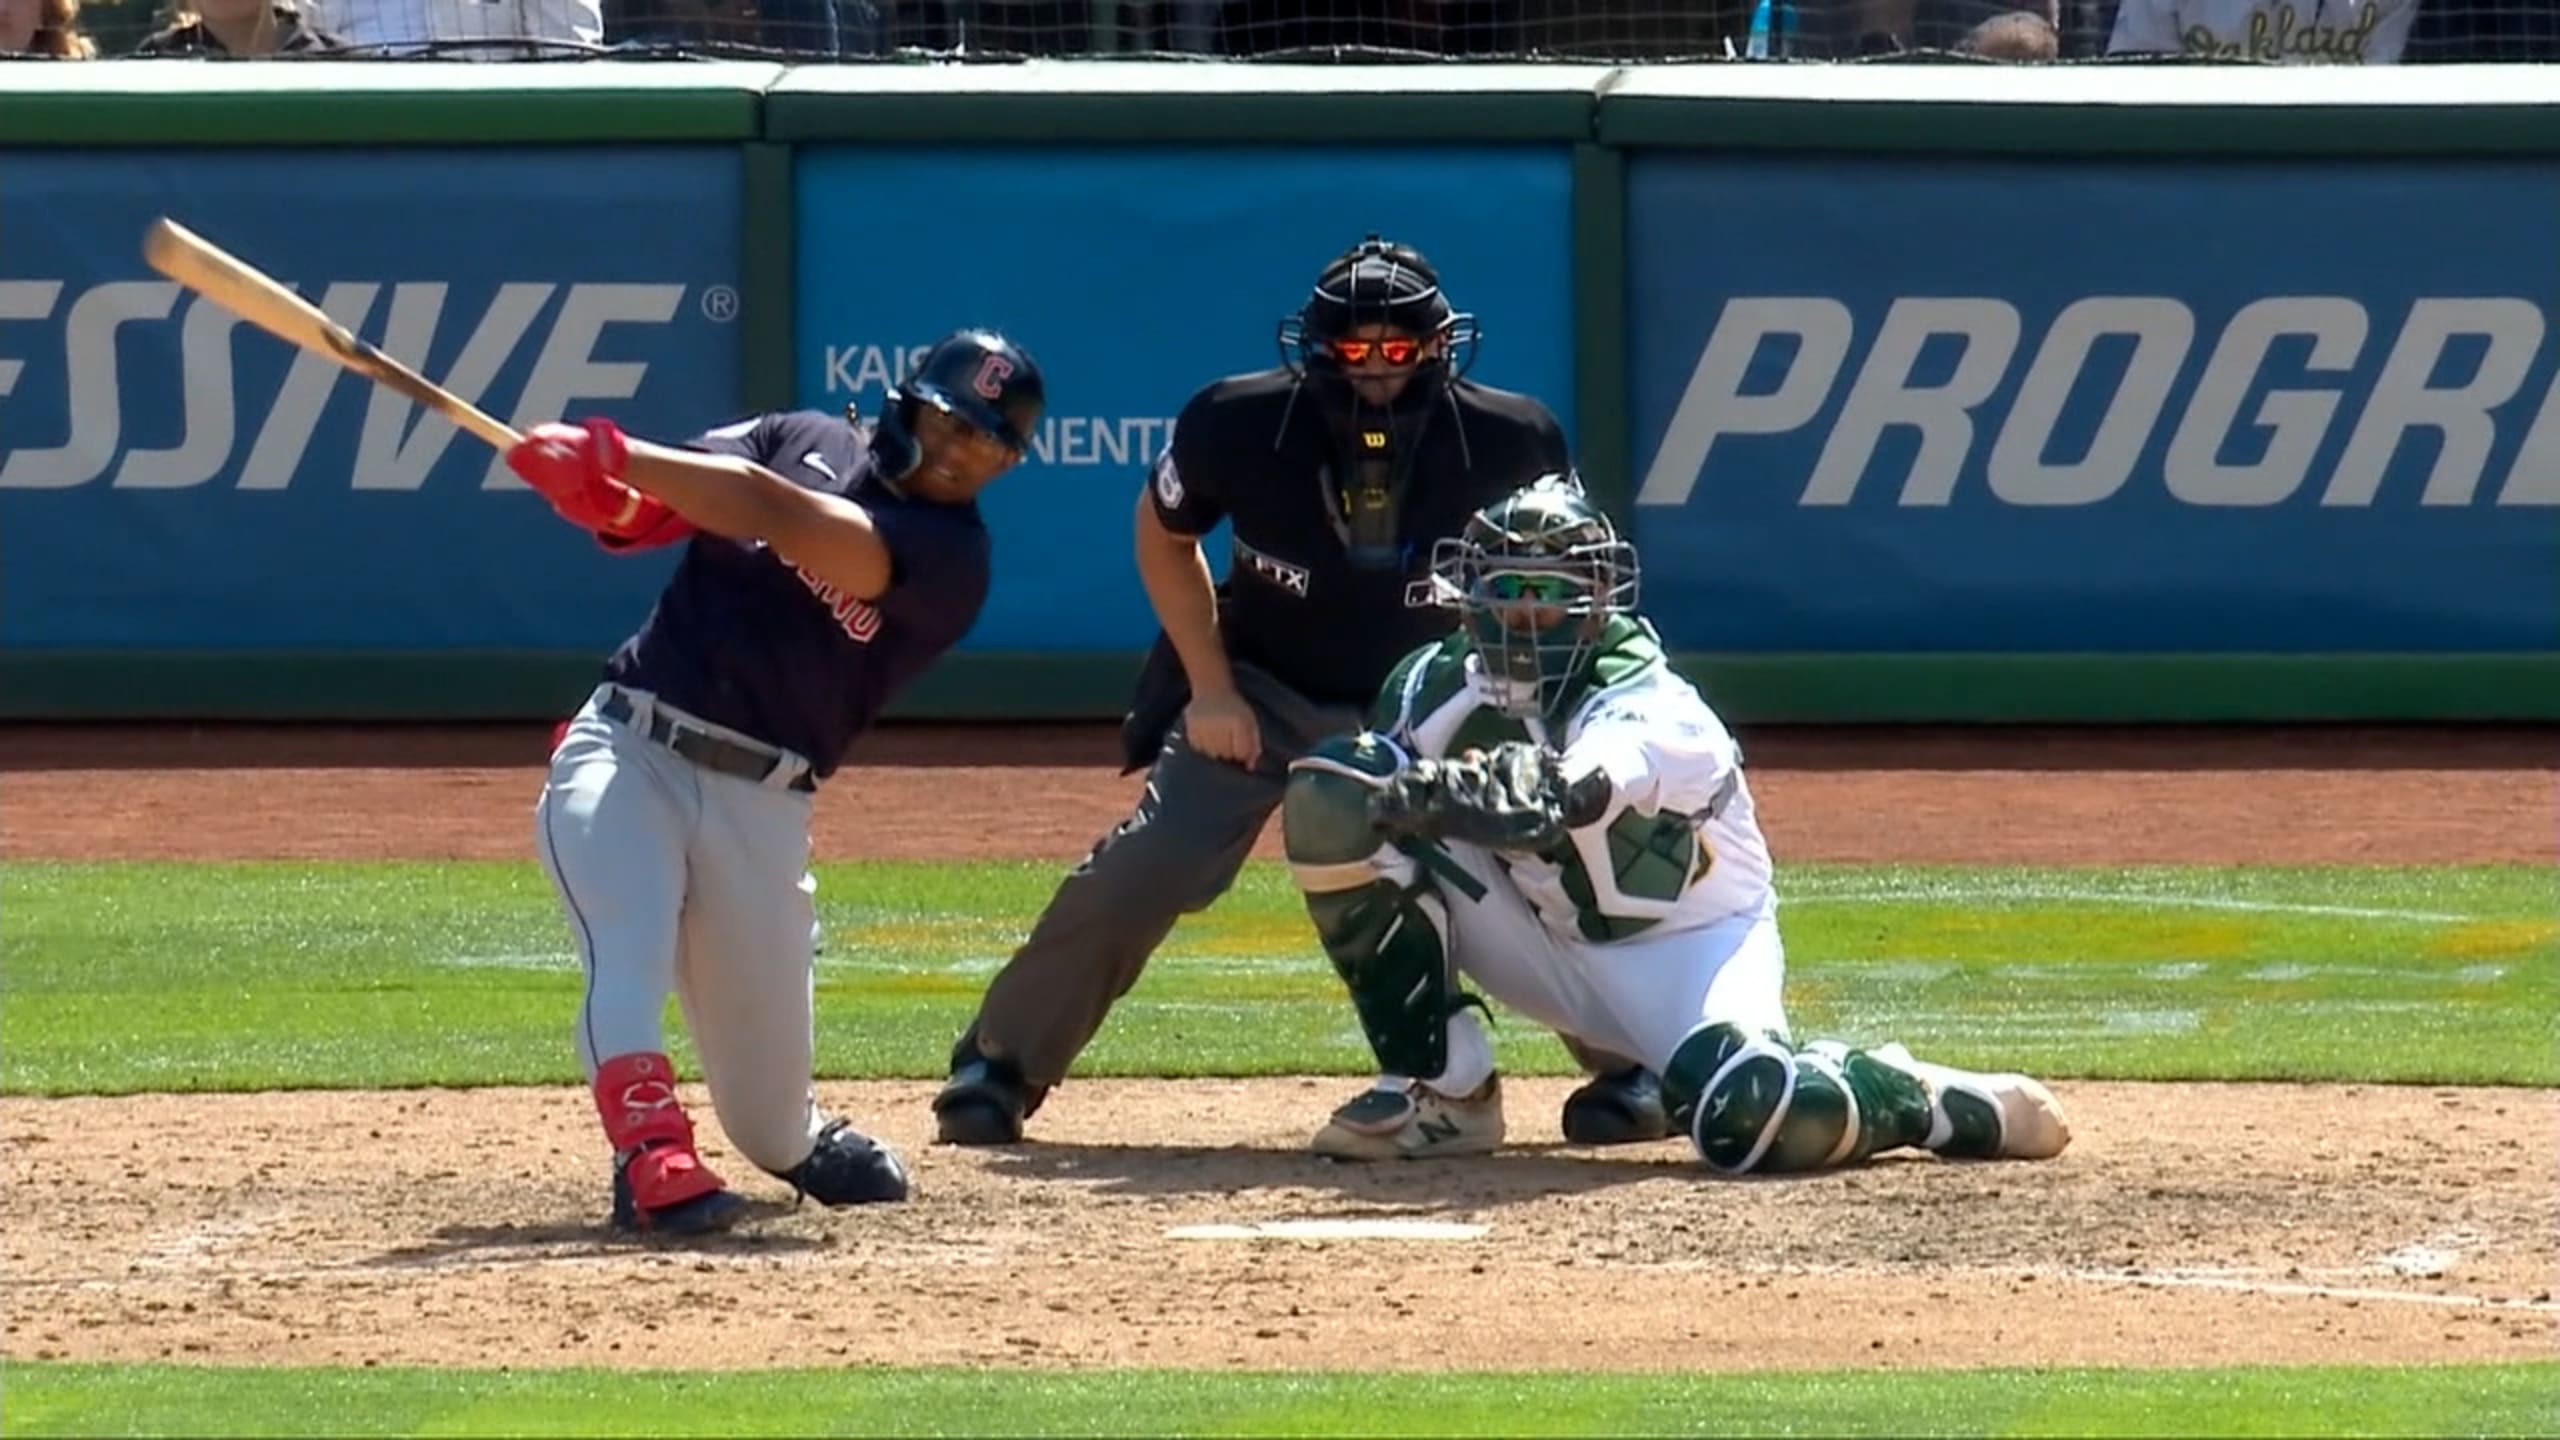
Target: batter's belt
(746, 761)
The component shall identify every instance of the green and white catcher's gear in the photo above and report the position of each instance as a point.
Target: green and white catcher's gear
(1598, 866)
(1537, 577)
(1752, 1103)
(1666, 832)
(1510, 798)
(1385, 930)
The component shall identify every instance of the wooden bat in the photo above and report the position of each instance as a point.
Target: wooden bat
(236, 286)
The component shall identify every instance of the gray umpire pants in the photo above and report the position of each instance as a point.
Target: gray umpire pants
(1179, 851)
(1175, 855)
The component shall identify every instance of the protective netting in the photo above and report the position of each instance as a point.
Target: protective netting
(1610, 31)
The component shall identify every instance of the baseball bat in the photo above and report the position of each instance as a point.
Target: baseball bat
(239, 287)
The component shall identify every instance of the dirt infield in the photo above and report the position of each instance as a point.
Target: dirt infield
(2200, 796)
(1151, 1223)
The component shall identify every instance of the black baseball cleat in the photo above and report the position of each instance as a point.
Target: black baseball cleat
(984, 1103)
(1623, 1108)
(847, 1167)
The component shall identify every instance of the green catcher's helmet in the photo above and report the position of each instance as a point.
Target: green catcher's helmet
(1537, 577)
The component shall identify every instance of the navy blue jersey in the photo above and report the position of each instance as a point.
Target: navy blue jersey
(743, 638)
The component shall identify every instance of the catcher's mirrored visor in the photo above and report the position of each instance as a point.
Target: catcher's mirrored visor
(1521, 587)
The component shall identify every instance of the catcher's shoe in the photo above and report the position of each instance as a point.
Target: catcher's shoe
(983, 1103)
(665, 1189)
(1412, 1121)
(1622, 1108)
(847, 1167)
(1977, 1116)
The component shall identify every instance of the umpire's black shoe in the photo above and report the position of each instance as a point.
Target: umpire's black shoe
(1624, 1108)
(983, 1103)
(847, 1167)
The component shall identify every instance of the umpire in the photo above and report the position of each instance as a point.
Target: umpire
(1336, 470)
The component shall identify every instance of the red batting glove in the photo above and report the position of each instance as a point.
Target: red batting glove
(578, 468)
(651, 524)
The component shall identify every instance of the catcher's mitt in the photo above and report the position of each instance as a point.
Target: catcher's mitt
(1511, 798)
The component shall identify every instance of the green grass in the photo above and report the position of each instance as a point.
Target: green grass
(134, 977)
(164, 1400)
(131, 977)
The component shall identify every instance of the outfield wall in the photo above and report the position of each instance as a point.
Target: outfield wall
(1933, 393)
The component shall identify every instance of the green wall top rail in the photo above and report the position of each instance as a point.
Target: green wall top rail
(2225, 111)
(380, 102)
(1184, 102)
(1874, 108)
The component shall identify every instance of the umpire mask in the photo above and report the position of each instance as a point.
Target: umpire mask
(1377, 345)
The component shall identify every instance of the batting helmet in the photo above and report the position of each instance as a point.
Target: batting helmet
(985, 379)
(976, 375)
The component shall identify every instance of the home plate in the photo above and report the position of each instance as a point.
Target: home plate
(1388, 1229)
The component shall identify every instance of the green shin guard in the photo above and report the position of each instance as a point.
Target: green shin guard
(1755, 1105)
(1386, 934)
(1390, 947)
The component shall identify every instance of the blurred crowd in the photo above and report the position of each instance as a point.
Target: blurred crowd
(2266, 31)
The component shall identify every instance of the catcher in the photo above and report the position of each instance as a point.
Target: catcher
(1544, 807)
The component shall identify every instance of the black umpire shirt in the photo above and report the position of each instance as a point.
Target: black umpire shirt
(1297, 608)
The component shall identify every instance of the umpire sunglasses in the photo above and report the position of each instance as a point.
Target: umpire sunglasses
(1397, 352)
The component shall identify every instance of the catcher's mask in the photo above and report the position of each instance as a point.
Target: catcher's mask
(1377, 345)
(1537, 576)
(978, 376)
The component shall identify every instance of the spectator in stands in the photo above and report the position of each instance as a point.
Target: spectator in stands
(789, 27)
(44, 27)
(236, 27)
(432, 27)
(19, 20)
(1847, 29)
(1949, 24)
(2290, 32)
(2020, 35)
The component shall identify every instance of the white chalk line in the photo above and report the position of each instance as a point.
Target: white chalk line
(1918, 895)
(2174, 1279)
(196, 1253)
(199, 1246)
(598, 1254)
(2235, 1279)
(1936, 895)
(581, 1255)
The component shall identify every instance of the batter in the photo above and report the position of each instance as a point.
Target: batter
(828, 564)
